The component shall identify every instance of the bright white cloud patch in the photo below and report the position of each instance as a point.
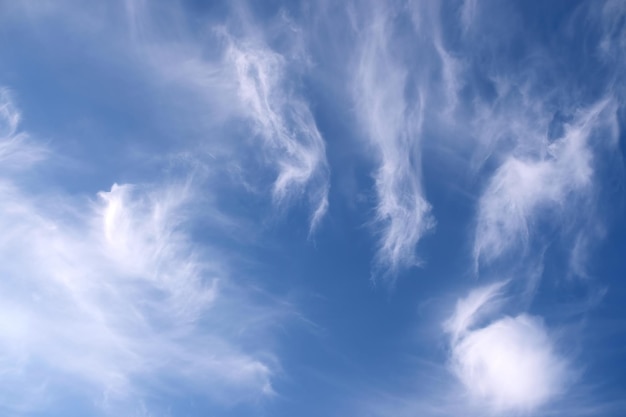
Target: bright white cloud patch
(107, 297)
(392, 124)
(507, 364)
(510, 364)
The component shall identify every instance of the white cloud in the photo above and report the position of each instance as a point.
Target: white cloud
(243, 78)
(540, 184)
(508, 364)
(223, 78)
(468, 13)
(113, 299)
(450, 69)
(17, 152)
(539, 176)
(392, 124)
(470, 309)
(611, 13)
(285, 123)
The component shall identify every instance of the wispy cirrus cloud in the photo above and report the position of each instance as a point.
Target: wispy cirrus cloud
(131, 275)
(284, 122)
(17, 151)
(391, 120)
(246, 80)
(235, 98)
(111, 299)
(537, 150)
(541, 176)
(537, 147)
(528, 135)
(531, 137)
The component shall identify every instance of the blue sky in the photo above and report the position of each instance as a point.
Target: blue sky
(312, 208)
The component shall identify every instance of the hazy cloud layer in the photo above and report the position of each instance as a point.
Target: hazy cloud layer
(110, 296)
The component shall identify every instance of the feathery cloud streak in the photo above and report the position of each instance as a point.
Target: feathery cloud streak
(285, 123)
(392, 123)
(253, 82)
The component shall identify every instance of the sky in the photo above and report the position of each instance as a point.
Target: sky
(384, 208)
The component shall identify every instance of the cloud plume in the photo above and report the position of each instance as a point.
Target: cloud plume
(285, 124)
(508, 364)
(392, 124)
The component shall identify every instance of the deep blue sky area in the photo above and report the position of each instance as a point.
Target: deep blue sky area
(312, 208)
